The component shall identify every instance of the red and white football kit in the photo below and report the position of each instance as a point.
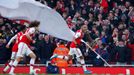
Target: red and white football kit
(15, 46)
(24, 44)
(73, 49)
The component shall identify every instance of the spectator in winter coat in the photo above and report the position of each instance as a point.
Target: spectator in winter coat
(122, 53)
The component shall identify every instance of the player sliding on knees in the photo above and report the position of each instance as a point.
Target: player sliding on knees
(15, 47)
(24, 47)
(74, 49)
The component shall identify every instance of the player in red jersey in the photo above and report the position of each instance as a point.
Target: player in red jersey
(15, 47)
(74, 48)
(24, 47)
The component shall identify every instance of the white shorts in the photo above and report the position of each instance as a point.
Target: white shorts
(13, 56)
(23, 49)
(75, 51)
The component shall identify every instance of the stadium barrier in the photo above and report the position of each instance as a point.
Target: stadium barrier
(41, 69)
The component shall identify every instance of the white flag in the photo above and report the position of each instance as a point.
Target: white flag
(52, 22)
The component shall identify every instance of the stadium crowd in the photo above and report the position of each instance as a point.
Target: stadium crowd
(112, 21)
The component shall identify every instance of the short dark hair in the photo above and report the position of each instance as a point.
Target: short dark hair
(22, 27)
(82, 24)
(61, 42)
(34, 24)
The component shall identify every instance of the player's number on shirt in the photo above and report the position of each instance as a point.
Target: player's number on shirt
(21, 37)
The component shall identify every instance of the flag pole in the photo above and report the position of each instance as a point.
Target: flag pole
(97, 54)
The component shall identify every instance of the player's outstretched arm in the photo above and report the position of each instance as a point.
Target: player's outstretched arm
(11, 40)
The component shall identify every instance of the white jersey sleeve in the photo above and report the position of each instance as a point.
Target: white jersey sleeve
(77, 35)
(12, 39)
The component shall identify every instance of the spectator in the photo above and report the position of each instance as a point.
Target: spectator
(72, 8)
(104, 5)
(103, 37)
(123, 53)
(115, 35)
(4, 53)
(48, 48)
(44, 47)
(129, 36)
(60, 7)
(131, 47)
(40, 48)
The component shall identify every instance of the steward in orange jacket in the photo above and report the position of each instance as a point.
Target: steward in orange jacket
(61, 50)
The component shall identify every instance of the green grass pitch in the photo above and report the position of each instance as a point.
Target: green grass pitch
(67, 74)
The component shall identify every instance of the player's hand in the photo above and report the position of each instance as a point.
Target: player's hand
(7, 46)
(33, 41)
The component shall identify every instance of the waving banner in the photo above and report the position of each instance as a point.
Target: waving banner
(52, 22)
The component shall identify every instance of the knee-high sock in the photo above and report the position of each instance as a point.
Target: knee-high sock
(8, 66)
(11, 62)
(32, 61)
(83, 64)
(15, 63)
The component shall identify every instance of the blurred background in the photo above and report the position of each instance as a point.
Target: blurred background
(112, 21)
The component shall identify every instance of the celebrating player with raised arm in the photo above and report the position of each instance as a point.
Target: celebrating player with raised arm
(15, 47)
(24, 47)
(74, 49)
